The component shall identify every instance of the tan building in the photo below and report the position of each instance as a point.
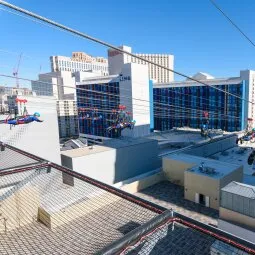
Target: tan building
(79, 61)
(237, 210)
(156, 73)
(202, 178)
(116, 59)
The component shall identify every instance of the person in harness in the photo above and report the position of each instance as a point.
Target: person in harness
(24, 120)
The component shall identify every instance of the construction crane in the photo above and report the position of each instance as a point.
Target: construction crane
(16, 71)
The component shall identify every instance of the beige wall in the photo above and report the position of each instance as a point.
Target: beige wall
(143, 183)
(19, 209)
(202, 184)
(53, 220)
(236, 217)
(174, 170)
(236, 175)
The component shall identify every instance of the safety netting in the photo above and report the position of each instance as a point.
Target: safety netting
(44, 210)
(48, 209)
(169, 236)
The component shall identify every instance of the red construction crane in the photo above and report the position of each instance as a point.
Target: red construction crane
(16, 71)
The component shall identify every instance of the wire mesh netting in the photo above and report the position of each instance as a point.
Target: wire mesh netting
(177, 239)
(10, 159)
(46, 212)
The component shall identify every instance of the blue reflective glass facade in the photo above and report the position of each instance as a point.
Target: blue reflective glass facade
(184, 106)
(104, 101)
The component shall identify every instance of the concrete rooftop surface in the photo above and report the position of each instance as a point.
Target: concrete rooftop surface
(171, 196)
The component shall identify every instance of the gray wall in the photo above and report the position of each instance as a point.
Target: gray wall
(40, 139)
(115, 165)
(213, 147)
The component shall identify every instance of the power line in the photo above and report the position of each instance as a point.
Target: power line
(115, 95)
(232, 22)
(78, 33)
(161, 96)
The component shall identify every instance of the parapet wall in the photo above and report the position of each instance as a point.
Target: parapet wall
(213, 147)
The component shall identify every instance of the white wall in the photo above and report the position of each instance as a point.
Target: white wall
(117, 59)
(134, 94)
(41, 139)
(249, 76)
(52, 84)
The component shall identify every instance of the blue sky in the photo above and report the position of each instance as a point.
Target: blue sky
(195, 32)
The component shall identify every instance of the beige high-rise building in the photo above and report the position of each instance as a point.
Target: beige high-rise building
(116, 59)
(79, 61)
(156, 73)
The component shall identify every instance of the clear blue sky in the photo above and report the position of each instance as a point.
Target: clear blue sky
(195, 32)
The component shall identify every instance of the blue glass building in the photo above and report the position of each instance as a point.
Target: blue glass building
(178, 106)
(95, 103)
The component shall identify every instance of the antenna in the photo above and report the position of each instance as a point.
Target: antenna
(16, 71)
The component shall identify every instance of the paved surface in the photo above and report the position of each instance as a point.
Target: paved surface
(171, 195)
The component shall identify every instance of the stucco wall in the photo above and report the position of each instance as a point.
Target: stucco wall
(238, 218)
(195, 183)
(174, 170)
(236, 175)
(213, 147)
(117, 165)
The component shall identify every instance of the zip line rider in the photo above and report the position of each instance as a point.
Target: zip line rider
(24, 120)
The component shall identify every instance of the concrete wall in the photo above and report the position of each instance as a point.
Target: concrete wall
(40, 139)
(143, 182)
(246, 234)
(115, 165)
(237, 218)
(195, 183)
(174, 170)
(19, 209)
(132, 91)
(209, 186)
(213, 147)
(116, 59)
(236, 175)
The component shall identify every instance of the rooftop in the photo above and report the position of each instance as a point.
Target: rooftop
(240, 189)
(108, 144)
(220, 170)
(63, 212)
(237, 155)
(216, 81)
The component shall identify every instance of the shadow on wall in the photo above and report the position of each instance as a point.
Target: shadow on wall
(134, 157)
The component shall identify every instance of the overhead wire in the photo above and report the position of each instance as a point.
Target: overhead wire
(117, 96)
(83, 35)
(173, 89)
(232, 23)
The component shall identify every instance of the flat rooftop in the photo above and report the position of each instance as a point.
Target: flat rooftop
(238, 155)
(171, 196)
(109, 144)
(80, 152)
(215, 82)
(221, 170)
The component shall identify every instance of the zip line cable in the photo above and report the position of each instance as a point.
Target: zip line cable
(83, 35)
(110, 94)
(232, 22)
(161, 96)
